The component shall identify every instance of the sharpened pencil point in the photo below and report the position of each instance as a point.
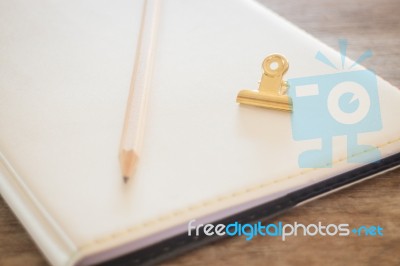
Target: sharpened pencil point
(128, 159)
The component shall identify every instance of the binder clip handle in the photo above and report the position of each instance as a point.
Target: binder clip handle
(274, 67)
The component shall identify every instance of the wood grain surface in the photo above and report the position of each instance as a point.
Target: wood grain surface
(367, 24)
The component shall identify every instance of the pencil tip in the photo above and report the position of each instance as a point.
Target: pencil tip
(128, 160)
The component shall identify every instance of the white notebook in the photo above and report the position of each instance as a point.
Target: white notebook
(65, 71)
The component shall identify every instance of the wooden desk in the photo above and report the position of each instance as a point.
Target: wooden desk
(367, 24)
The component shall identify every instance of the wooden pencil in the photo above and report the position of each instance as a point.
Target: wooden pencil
(132, 133)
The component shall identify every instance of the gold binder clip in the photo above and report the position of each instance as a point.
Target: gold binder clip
(272, 91)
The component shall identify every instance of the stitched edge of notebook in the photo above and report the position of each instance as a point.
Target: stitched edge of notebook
(209, 202)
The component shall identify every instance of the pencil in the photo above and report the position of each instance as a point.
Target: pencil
(132, 133)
